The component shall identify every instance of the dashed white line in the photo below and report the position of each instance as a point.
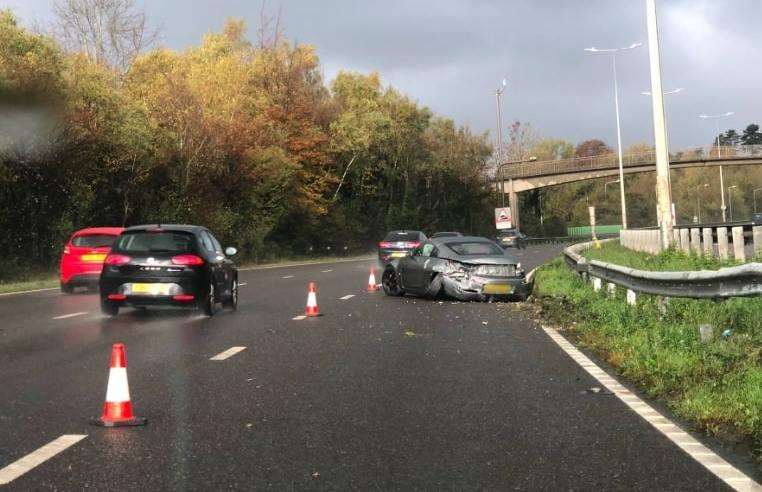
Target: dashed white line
(348, 296)
(65, 316)
(35, 458)
(299, 318)
(326, 271)
(241, 284)
(228, 353)
(726, 472)
(288, 276)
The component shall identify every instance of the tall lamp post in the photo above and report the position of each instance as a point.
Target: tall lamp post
(730, 200)
(698, 200)
(613, 52)
(499, 92)
(719, 155)
(754, 195)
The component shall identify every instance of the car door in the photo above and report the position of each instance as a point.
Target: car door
(417, 267)
(227, 266)
(215, 261)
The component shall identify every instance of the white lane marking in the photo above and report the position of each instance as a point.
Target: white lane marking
(723, 470)
(242, 284)
(299, 318)
(28, 291)
(288, 276)
(65, 316)
(228, 353)
(326, 271)
(35, 458)
(348, 296)
(319, 262)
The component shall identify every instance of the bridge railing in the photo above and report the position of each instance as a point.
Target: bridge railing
(607, 161)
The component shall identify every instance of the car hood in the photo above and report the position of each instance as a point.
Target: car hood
(485, 260)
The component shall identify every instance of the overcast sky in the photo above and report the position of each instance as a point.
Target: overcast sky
(452, 54)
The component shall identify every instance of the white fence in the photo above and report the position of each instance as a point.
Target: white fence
(696, 241)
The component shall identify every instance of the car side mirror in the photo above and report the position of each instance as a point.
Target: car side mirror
(230, 251)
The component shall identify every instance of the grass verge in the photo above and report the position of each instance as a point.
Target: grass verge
(716, 385)
(670, 260)
(41, 282)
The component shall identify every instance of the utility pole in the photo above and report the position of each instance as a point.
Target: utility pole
(663, 191)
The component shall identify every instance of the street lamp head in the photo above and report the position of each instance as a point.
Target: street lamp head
(592, 50)
(645, 93)
(633, 46)
(505, 82)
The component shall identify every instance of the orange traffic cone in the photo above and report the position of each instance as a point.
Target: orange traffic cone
(372, 281)
(117, 411)
(312, 307)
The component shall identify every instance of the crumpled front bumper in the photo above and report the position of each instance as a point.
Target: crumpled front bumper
(471, 288)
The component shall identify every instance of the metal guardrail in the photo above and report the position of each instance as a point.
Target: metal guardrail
(561, 166)
(739, 281)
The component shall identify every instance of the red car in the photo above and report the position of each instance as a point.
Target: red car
(83, 256)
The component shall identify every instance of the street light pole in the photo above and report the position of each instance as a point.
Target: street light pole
(719, 156)
(605, 188)
(613, 52)
(498, 93)
(663, 189)
(730, 200)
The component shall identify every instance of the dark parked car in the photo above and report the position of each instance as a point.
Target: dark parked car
(398, 244)
(511, 238)
(174, 265)
(446, 234)
(467, 268)
(756, 219)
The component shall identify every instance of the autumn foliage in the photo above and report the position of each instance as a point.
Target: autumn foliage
(247, 140)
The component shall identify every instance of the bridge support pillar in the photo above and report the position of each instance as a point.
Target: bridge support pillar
(513, 202)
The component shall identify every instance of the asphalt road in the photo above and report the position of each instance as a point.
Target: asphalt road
(378, 393)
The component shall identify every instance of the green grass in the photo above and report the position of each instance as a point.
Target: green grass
(669, 260)
(38, 282)
(717, 385)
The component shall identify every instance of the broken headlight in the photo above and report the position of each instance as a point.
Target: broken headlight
(496, 270)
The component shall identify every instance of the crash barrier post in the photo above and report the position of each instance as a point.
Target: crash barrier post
(117, 410)
(739, 250)
(722, 243)
(708, 241)
(611, 288)
(631, 297)
(676, 237)
(696, 241)
(596, 284)
(685, 242)
(757, 234)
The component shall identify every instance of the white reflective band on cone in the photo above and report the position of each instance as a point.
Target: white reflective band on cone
(311, 300)
(118, 390)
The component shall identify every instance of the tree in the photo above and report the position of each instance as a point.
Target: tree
(730, 138)
(592, 148)
(112, 32)
(751, 135)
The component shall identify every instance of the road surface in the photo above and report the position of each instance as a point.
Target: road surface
(378, 393)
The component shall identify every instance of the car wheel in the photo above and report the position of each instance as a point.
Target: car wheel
(232, 303)
(435, 286)
(391, 284)
(67, 288)
(211, 301)
(109, 308)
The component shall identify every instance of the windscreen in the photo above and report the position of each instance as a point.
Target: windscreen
(402, 236)
(155, 242)
(475, 249)
(93, 240)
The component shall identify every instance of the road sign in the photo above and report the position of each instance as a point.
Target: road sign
(503, 219)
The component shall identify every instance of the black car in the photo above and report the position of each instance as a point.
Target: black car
(398, 244)
(446, 234)
(467, 268)
(511, 238)
(174, 265)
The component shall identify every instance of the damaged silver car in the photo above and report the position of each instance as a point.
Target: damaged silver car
(466, 268)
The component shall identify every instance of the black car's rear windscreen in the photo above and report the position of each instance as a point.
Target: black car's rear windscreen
(475, 249)
(174, 242)
(402, 236)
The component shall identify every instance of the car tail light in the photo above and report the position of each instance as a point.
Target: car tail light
(116, 297)
(183, 297)
(187, 260)
(385, 244)
(117, 260)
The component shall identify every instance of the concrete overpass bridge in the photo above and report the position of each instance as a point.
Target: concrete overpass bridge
(512, 179)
